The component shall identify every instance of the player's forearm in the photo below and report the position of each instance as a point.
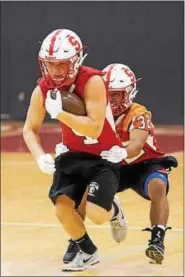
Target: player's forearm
(133, 149)
(32, 141)
(81, 124)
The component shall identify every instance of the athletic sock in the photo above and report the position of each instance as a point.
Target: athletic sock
(159, 226)
(86, 244)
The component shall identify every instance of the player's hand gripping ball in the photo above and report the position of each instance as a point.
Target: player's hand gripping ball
(71, 102)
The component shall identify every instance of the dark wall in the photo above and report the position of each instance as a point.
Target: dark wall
(147, 36)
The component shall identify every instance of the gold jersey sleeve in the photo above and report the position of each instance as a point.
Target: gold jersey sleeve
(138, 117)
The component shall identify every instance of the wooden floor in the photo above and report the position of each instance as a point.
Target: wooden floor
(33, 242)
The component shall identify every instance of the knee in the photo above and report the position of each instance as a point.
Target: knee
(157, 189)
(96, 214)
(64, 207)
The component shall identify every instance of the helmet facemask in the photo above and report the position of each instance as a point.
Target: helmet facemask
(121, 99)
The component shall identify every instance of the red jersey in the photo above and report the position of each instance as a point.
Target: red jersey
(138, 117)
(75, 141)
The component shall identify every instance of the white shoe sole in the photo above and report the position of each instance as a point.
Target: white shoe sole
(66, 267)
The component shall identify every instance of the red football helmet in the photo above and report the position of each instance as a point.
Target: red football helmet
(121, 83)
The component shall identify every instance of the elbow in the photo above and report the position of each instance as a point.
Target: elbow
(97, 130)
(27, 131)
(25, 134)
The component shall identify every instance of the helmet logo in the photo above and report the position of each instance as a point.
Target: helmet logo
(74, 42)
(130, 74)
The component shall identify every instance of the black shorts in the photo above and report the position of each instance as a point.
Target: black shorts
(134, 176)
(104, 185)
(75, 171)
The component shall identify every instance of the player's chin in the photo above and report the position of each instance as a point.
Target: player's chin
(58, 81)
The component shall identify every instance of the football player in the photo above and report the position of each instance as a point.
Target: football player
(145, 168)
(60, 58)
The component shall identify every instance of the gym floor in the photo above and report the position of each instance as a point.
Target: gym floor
(33, 242)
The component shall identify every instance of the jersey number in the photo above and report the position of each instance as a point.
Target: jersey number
(143, 122)
(86, 140)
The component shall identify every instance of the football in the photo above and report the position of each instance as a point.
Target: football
(72, 103)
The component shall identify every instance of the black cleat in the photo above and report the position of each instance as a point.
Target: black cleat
(155, 250)
(71, 252)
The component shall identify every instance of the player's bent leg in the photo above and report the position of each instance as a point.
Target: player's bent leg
(115, 216)
(97, 214)
(73, 247)
(101, 204)
(159, 211)
(66, 193)
(71, 221)
(74, 226)
(156, 187)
